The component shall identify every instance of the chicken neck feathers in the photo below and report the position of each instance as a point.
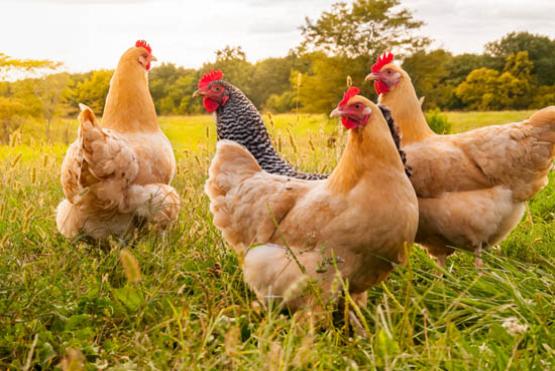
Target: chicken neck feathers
(239, 120)
(129, 106)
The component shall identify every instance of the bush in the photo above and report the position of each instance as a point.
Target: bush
(544, 96)
(281, 103)
(438, 122)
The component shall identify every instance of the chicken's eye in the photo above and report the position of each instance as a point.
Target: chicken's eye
(217, 89)
(357, 106)
(388, 72)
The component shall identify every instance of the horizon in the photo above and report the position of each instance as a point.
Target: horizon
(97, 35)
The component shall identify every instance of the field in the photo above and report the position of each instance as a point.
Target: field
(183, 304)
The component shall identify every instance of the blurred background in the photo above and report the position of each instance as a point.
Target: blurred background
(287, 56)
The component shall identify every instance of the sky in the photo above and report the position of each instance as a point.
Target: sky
(91, 34)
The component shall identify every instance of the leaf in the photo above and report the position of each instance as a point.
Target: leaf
(130, 297)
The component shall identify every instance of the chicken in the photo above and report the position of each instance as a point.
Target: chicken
(119, 173)
(364, 215)
(238, 120)
(472, 187)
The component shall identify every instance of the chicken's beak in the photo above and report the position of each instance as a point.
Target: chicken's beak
(197, 93)
(153, 58)
(372, 76)
(336, 113)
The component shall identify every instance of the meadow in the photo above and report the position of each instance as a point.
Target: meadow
(177, 300)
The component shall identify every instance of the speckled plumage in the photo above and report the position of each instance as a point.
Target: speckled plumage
(239, 120)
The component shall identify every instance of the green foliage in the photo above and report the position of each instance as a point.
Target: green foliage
(519, 65)
(438, 122)
(544, 96)
(282, 103)
(51, 93)
(10, 65)
(515, 72)
(540, 48)
(271, 77)
(364, 28)
(461, 65)
(30, 97)
(92, 91)
(322, 87)
(237, 70)
(13, 113)
(479, 88)
(72, 302)
(487, 89)
(172, 88)
(429, 74)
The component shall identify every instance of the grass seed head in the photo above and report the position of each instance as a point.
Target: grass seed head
(130, 266)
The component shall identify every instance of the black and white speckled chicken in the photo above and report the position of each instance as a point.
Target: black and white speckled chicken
(238, 120)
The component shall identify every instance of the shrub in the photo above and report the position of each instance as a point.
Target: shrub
(438, 122)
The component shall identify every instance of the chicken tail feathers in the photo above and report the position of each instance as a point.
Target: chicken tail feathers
(89, 133)
(105, 153)
(232, 164)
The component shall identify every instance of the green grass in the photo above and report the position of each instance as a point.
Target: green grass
(60, 301)
(463, 121)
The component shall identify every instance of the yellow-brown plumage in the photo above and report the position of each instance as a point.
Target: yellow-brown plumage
(472, 187)
(120, 170)
(363, 214)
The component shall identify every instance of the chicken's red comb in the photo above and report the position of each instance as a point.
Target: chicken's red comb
(351, 92)
(143, 44)
(382, 60)
(210, 76)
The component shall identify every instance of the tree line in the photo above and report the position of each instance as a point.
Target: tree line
(514, 72)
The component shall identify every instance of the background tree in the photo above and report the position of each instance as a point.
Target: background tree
(479, 90)
(487, 89)
(270, 77)
(344, 40)
(15, 104)
(237, 70)
(515, 72)
(11, 68)
(172, 88)
(429, 74)
(51, 93)
(282, 103)
(365, 28)
(13, 113)
(540, 48)
(543, 97)
(91, 90)
(324, 84)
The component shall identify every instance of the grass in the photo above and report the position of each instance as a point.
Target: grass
(183, 305)
(464, 121)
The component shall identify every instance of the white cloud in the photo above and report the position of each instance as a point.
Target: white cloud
(88, 34)
(466, 25)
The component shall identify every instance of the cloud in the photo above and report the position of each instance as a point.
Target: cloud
(94, 2)
(466, 25)
(280, 3)
(273, 26)
(88, 34)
